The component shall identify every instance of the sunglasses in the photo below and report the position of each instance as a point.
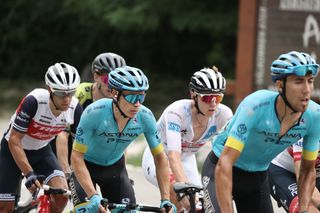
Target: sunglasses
(217, 98)
(134, 98)
(63, 93)
(303, 70)
(104, 79)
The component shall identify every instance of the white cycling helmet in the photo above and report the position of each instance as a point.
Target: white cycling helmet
(106, 62)
(207, 81)
(63, 77)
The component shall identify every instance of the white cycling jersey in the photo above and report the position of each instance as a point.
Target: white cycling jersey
(34, 118)
(176, 133)
(293, 153)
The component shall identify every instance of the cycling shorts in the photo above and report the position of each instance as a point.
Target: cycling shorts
(43, 162)
(250, 189)
(113, 181)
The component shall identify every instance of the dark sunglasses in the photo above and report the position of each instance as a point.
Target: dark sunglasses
(135, 98)
(208, 98)
(63, 93)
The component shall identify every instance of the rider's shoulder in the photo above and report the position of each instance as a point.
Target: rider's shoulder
(84, 87)
(99, 106)
(260, 98)
(313, 108)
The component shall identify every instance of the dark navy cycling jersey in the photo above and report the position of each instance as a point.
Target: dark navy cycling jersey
(254, 131)
(98, 136)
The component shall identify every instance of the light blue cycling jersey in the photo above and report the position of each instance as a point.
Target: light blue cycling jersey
(254, 131)
(98, 136)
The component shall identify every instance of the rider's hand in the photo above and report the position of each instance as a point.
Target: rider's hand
(167, 206)
(94, 205)
(32, 181)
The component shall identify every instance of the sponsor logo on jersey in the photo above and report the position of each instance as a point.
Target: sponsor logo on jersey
(174, 127)
(43, 132)
(242, 129)
(119, 134)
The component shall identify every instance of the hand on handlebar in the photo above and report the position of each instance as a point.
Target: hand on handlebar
(167, 206)
(33, 181)
(94, 205)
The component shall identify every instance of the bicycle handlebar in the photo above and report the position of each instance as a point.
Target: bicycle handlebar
(130, 206)
(47, 190)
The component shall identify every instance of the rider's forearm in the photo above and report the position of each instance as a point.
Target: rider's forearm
(177, 167)
(162, 171)
(306, 185)
(62, 150)
(19, 155)
(82, 173)
(223, 184)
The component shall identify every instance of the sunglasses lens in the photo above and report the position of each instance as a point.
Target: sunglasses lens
(212, 98)
(134, 98)
(63, 94)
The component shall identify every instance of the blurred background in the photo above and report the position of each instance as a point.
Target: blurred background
(168, 40)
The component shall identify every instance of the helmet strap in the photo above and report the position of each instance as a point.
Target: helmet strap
(284, 96)
(116, 102)
(196, 105)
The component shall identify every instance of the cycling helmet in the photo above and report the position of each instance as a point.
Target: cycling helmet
(105, 62)
(128, 78)
(62, 76)
(293, 63)
(207, 81)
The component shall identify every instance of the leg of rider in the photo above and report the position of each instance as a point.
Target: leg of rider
(115, 184)
(251, 191)
(47, 164)
(283, 187)
(9, 181)
(209, 200)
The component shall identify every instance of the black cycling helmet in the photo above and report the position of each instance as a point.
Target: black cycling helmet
(106, 62)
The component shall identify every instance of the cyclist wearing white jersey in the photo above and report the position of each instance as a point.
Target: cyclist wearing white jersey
(283, 175)
(87, 93)
(106, 129)
(186, 125)
(265, 123)
(25, 148)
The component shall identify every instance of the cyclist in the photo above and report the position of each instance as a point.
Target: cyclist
(265, 123)
(186, 125)
(87, 93)
(283, 175)
(105, 130)
(25, 148)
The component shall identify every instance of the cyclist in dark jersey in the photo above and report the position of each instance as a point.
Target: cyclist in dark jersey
(265, 124)
(87, 93)
(106, 129)
(25, 148)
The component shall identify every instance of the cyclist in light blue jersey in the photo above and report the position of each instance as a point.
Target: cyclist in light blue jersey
(264, 124)
(105, 130)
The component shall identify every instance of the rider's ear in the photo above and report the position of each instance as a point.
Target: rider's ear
(279, 85)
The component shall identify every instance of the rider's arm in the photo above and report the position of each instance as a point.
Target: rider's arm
(17, 151)
(162, 171)
(306, 183)
(62, 150)
(223, 178)
(176, 166)
(82, 173)
(24, 114)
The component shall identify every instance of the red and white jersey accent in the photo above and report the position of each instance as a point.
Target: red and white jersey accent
(176, 130)
(35, 118)
(293, 153)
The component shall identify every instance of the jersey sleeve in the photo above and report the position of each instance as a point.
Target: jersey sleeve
(151, 133)
(173, 123)
(311, 141)
(24, 113)
(77, 115)
(242, 123)
(297, 150)
(85, 130)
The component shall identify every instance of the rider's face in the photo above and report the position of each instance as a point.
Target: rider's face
(131, 109)
(299, 90)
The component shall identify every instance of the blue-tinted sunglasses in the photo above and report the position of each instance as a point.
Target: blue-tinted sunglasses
(305, 69)
(134, 98)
